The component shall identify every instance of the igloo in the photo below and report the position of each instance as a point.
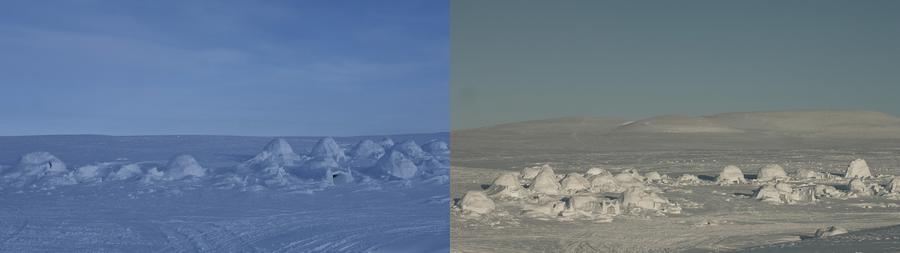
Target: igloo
(574, 182)
(396, 164)
(784, 193)
(437, 148)
(125, 172)
(412, 151)
(597, 171)
(771, 172)
(860, 188)
(629, 175)
(324, 169)
(689, 179)
(386, 143)
(636, 197)
(731, 175)
(328, 148)
(506, 185)
(653, 176)
(858, 169)
(529, 173)
(276, 153)
(183, 166)
(894, 185)
(366, 153)
(604, 183)
(804, 173)
(830, 231)
(545, 182)
(36, 167)
(476, 202)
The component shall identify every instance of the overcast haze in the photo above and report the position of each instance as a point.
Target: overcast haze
(229, 67)
(522, 60)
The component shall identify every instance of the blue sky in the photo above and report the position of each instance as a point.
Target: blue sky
(521, 60)
(224, 67)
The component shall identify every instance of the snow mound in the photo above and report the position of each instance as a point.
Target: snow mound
(34, 168)
(396, 164)
(476, 202)
(689, 179)
(771, 172)
(546, 182)
(858, 169)
(629, 176)
(183, 166)
(731, 175)
(328, 148)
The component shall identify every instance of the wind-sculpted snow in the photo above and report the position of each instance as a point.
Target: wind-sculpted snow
(272, 201)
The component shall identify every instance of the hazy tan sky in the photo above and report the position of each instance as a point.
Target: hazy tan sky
(515, 60)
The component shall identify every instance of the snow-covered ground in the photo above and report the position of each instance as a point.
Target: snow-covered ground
(696, 214)
(224, 194)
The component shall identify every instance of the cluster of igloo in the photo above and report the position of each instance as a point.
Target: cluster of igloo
(571, 194)
(858, 179)
(276, 165)
(42, 170)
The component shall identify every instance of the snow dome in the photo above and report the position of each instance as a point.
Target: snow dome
(328, 148)
(545, 182)
(476, 202)
(574, 182)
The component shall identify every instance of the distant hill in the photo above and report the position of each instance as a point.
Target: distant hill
(738, 130)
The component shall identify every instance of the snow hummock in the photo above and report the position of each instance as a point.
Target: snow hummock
(858, 169)
(731, 175)
(771, 172)
(637, 197)
(183, 166)
(476, 202)
(396, 164)
(529, 173)
(545, 182)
